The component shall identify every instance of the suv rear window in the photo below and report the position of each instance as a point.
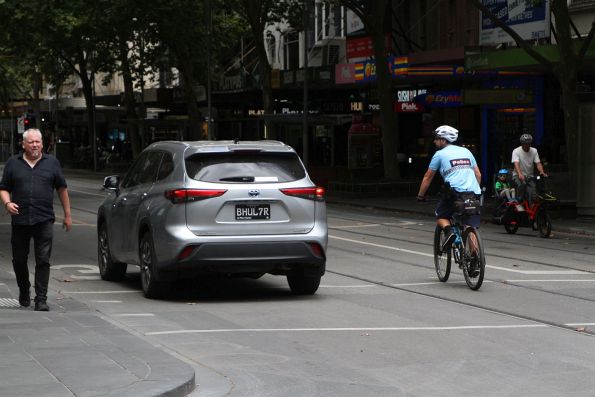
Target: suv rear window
(245, 167)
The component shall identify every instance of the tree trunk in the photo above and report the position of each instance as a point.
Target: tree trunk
(567, 72)
(194, 121)
(130, 102)
(255, 15)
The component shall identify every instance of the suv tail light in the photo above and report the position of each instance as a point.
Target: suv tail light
(186, 195)
(317, 249)
(310, 193)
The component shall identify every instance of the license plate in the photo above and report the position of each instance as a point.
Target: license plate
(248, 212)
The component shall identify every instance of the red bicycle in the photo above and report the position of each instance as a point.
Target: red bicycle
(532, 214)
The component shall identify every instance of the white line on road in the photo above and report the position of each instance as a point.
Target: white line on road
(349, 286)
(107, 301)
(355, 226)
(536, 272)
(542, 272)
(462, 327)
(90, 194)
(134, 315)
(100, 292)
(381, 246)
(569, 280)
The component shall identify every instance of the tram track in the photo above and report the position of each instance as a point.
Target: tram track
(427, 243)
(475, 305)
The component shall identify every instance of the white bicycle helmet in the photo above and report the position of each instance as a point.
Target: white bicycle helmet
(447, 132)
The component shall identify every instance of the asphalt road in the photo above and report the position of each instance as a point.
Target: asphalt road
(381, 323)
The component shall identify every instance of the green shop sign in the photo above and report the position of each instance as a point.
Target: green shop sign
(517, 58)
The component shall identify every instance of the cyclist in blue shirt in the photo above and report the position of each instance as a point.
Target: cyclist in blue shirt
(459, 169)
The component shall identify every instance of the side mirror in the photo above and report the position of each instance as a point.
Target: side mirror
(111, 182)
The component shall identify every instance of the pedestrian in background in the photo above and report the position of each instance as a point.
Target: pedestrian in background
(27, 191)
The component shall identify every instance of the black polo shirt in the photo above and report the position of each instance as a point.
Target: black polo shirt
(32, 189)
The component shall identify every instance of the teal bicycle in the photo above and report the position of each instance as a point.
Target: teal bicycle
(466, 249)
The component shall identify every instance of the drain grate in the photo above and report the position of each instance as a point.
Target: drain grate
(9, 302)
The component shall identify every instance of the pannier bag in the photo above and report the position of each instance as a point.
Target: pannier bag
(467, 203)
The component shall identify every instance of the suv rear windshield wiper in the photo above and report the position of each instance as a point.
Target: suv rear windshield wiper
(237, 179)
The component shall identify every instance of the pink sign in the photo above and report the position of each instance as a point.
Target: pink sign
(408, 107)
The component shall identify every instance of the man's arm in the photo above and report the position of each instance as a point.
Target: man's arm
(477, 173)
(425, 183)
(517, 168)
(540, 169)
(65, 200)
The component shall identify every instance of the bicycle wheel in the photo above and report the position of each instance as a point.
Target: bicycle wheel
(544, 223)
(441, 259)
(473, 258)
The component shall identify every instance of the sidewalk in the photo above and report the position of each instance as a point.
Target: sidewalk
(73, 351)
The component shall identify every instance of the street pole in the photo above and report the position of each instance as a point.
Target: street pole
(11, 131)
(94, 122)
(209, 40)
(305, 115)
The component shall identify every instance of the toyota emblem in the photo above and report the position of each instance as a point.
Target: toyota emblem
(253, 193)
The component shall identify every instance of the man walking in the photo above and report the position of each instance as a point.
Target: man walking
(27, 192)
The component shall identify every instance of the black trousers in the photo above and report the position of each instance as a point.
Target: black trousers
(42, 235)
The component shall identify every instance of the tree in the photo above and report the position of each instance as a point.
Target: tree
(375, 15)
(566, 70)
(258, 14)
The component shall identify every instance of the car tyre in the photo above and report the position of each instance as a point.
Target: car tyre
(108, 269)
(151, 287)
(302, 283)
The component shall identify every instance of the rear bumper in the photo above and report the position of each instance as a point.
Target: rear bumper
(256, 257)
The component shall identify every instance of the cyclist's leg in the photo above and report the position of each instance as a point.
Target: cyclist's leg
(444, 211)
(520, 187)
(473, 221)
(530, 191)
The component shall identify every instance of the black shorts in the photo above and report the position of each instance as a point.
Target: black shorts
(446, 208)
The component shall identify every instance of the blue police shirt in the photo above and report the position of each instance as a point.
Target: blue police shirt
(456, 164)
(32, 189)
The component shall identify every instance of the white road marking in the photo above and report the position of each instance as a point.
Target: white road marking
(542, 272)
(536, 272)
(100, 292)
(134, 315)
(413, 284)
(575, 324)
(552, 281)
(90, 194)
(349, 286)
(446, 328)
(85, 268)
(107, 301)
(381, 246)
(74, 276)
(356, 226)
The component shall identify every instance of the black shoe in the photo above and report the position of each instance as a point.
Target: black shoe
(25, 298)
(448, 239)
(41, 306)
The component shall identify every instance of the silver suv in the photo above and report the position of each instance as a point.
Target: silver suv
(185, 209)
